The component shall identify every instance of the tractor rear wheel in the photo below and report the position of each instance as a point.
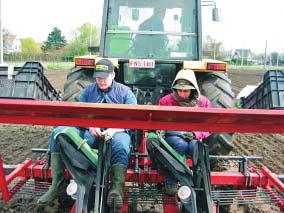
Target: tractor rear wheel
(76, 81)
(217, 88)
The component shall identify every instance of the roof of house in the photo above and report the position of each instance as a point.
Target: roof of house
(11, 38)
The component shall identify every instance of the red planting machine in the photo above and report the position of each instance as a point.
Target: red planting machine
(147, 61)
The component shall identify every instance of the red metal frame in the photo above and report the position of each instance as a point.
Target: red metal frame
(265, 179)
(5, 180)
(142, 117)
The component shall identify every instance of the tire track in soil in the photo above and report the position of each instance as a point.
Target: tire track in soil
(242, 78)
(266, 146)
(17, 141)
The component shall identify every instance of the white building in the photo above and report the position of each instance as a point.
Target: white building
(14, 44)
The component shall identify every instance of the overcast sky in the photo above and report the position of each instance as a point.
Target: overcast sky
(245, 23)
(248, 24)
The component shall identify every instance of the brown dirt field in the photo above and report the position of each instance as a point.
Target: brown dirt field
(16, 142)
(269, 146)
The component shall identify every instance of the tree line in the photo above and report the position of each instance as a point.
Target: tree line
(215, 50)
(56, 45)
(56, 48)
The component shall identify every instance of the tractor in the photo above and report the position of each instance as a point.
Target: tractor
(147, 59)
(147, 66)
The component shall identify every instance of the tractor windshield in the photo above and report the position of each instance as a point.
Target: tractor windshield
(152, 29)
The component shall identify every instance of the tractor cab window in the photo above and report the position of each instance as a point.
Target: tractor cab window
(153, 29)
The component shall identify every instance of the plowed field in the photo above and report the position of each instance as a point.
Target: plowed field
(17, 141)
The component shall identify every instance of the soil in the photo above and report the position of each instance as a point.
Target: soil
(269, 146)
(16, 142)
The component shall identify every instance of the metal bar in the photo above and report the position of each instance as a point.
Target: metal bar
(273, 178)
(236, 179)
(19, 170)
(247, 197)
(225, 157)
(5, 180)
(152, 176)
(18, 185)
(98, 177)
(248, 202)
(140, 155)
(142, 149)
(237, 193)
(3, 184)
(142, 117)
(240, 196)
(192, 34)
(279, 201)
(42, 151)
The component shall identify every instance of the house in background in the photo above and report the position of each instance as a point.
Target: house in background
(244, 54)
(242, 57)
(14, 44)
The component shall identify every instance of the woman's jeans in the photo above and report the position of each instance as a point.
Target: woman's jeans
(182, 147)
(120, 144)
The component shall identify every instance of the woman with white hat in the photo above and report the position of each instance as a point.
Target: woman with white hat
(186, 94)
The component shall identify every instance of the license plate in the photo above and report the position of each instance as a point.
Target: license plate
(141, 63)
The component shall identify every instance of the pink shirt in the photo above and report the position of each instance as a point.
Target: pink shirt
(204, 102)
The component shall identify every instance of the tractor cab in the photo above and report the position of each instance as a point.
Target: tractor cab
(151, 40)
(159, 29)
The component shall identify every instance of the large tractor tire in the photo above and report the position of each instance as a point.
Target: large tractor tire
(77, 80)
(217, 88)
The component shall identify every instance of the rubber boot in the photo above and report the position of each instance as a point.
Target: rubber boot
(58, 186)
(115, 195)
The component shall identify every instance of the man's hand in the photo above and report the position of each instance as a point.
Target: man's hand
(96, 132)
(109, 133)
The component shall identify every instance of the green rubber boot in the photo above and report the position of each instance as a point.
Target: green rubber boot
(115, 195)
(58, 186)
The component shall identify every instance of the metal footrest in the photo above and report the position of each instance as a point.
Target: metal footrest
(246, 197)
(33, 188)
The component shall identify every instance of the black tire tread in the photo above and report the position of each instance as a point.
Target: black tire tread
(217, 88)
(77, 80)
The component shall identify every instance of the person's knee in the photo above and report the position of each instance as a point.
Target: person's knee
(178, 144)
(53, 142)
(56, 131)
(120, 148)
(121, 141)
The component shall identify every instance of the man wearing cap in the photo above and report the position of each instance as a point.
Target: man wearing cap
(103, 90)
(186, 94)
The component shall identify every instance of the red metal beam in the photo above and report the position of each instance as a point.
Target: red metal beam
(140, 117)
(152, 176)
(273, 178)
(3, 184)
(237, 179)
(20, 169)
